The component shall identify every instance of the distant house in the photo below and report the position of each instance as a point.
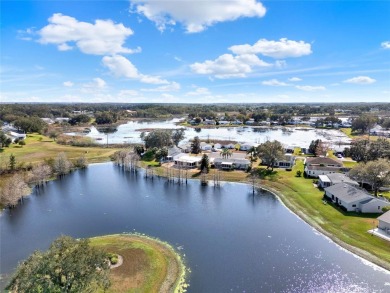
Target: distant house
(224, 122)
(61, 119)
(237, 122)
(289, 149)
(335, 178)
(15, 135)
(247, 146)
(47, 120)
(185, 161)
(384, 222)
(217, 146)
(353, 199)
(321, 166)
(209, 122)
(287, 162)
(250, 122)
(231, 163)
(205, 146)
(229, 146)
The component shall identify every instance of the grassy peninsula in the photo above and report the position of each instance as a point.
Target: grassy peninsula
(149, 265)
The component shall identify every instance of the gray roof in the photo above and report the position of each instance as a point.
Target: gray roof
(322, 168)
(341, 178)
(235, 161)
(348, 193)
(322, 161)
(385, 217)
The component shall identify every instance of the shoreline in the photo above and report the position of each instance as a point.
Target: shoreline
(175, 269)
(357, 252)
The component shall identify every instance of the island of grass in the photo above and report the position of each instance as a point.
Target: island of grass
(149, 265)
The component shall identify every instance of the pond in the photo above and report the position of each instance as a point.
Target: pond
(233, 241)
(297, 136)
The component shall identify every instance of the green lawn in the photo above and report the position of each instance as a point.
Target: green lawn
(299, 194)
(39, 147)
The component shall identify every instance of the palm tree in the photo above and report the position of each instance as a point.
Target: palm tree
(226, 153)
(253, 154)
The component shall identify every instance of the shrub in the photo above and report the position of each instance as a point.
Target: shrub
(386, 209)
(299, 173)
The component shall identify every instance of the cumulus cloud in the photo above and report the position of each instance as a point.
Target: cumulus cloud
(227, 65)
(120, 66)
(295, 79)
(68, 83)
(309, 88)
(173, 86)
(99, 38)
(196, 16)
(95, 86)
(360, 80)
(274, 82)
(283, 48)
(199, 91)
(385, 45)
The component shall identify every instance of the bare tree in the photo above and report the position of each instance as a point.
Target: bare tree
(39, 174)
(61, 164)
(13, 190)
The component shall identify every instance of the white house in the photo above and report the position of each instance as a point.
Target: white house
(373, 205)
(250, 122)
(334, 178)
(185, 161)
(217, 146)
(172, 152)
(231, 163)
(287, 162)
(353, 199)
(229, 146)
(15, 135)
(247, 146)
(61, 119)
(384, 222)
(47, 120)
(321, 166)
(205, 146)
(224, 122)
(209, 122)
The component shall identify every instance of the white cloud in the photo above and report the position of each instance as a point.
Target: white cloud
(196, 16)
(309, 88)
(294, 79)
(173, 86)
(274, 82)
(99, 38)
(126, 93)
(199, 91)
(385, 45)
(360, 80)
(122, 67)
(227, 65)
(96, 86)
(283, 48)
(68, 83)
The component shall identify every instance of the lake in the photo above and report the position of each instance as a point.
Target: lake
(294, 136)
(233, 241)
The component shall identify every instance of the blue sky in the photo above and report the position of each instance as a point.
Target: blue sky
(195, 51)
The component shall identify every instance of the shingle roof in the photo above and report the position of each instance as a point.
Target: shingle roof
(340, 178)
(235, 161)
(323, 161)
(347, 193)
(385, 217)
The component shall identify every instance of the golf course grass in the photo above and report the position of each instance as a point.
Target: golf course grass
(149, 265)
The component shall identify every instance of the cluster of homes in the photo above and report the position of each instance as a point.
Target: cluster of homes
(341, 189)
(234, 161)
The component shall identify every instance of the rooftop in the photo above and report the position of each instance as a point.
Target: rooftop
(348, 193)
(385, 217)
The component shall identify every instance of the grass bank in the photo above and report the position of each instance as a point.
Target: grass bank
(39, 148)
(348, 229)
(149, 265)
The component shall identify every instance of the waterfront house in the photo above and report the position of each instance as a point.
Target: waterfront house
(335, 178)
(353, 199)
(223, 122)
(172, 152)
(231, 163)
(209, 122)
(250, 122)
(186, 161)
(15, 135)
(321, 166)
(384, 222)
(287, 162)
(247, 146)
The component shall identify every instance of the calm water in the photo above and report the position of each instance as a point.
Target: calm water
(129, 133)
(232, 241)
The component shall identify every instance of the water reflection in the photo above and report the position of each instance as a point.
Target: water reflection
(233, 240)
